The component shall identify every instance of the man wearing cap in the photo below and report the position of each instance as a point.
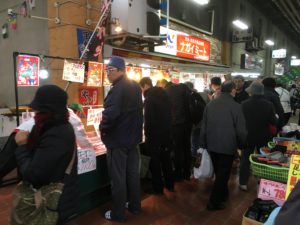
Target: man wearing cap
(259, 115)
(223, 129)
(121, 132)
(241, 95)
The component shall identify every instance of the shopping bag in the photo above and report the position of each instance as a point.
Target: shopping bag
(205, 170)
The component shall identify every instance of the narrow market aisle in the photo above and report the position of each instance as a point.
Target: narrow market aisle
(186, 206)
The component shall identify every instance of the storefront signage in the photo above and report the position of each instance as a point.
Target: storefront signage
(251, 62)
(271, 190)
(95, 70)
(193, 48)
(295, 62)
(279, 53)
(183, 45)
(294, 174)
(94, 117)
(28, 70)
(73, 72)
(86, 160)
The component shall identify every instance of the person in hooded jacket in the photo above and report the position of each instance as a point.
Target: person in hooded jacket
(44, 154)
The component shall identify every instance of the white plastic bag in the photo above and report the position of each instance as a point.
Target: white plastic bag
(205, 169)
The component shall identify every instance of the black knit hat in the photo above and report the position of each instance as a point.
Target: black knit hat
(50, 98)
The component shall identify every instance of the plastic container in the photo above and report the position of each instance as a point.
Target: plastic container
(269, 172)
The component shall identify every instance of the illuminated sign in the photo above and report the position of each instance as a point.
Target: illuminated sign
(279, 53)
(295, 62)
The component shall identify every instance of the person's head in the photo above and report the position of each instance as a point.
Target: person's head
(115, 68)
(228, 87)
(269, 82)
(190, 85)
(239, 82)
(145, 83)
(293, 85)
(50, 99)
(215, 83)
(162, 83)
(255, 88)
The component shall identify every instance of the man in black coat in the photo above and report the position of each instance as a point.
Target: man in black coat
(241, 95)
(259, 115)
(158, 134)
(121, 132)
(271, 95)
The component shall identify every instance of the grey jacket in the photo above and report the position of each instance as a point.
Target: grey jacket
(223, 128)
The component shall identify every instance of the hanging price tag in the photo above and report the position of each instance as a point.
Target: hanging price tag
(271, 190)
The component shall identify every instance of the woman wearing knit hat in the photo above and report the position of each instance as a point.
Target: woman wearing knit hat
(44, 154)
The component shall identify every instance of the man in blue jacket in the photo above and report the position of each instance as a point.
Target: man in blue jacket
(121, 132)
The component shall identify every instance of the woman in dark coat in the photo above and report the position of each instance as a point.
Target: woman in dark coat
(44, 154)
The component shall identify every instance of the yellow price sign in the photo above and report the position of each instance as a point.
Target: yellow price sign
(294, 174)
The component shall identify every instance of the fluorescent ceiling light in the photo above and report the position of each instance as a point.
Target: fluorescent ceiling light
(244, 74)
(269, 42)
(202, 2)
(240, 24)
(118, 29)
(145, 65)
(294, 57)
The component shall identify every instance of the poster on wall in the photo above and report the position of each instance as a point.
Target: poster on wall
(83, 37)
(134, 73)
(73, 72)
(28, 70)
(88, 96)
(94, 77)
(106, 82)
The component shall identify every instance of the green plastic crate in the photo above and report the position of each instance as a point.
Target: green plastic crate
(269, 172)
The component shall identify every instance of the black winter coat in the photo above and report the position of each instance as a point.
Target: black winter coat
(47, 163)
(157, 116)
(179, 96)
(122, 118)
(272, 96)
(259, 115)
(241, 96)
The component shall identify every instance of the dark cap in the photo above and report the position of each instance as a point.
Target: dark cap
(216, 81)
(117, 62)
(255, 88)
(50, 98)
(269, 82)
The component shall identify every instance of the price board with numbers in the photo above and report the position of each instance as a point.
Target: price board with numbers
(271, 190)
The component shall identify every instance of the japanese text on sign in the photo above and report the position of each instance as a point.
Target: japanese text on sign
(94, 117)
(86, 160)
(271, 190)
(294, 174)
(73, 72)
(192, 47)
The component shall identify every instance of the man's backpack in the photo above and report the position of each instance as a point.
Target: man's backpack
(196, 107)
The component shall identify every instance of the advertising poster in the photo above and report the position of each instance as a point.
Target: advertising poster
(83, 37)
(88, 96)
(106, 82)
(294, 174)
(193, 48)
(95, 70)
(28, 70)
(73, 72)
(134, 73)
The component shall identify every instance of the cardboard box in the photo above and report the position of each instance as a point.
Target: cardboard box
(248, 221)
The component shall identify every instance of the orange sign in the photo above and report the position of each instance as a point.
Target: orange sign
(193, 48)
(294, 174)
(134, 73)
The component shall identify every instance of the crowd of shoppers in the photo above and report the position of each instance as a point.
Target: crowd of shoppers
(234, 118)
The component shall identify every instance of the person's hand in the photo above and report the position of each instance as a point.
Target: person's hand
(21, 137)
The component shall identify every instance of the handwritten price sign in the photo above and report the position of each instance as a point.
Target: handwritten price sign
(86, 160)
(271, 190)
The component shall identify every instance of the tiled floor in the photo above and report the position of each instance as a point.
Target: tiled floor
(184, 207)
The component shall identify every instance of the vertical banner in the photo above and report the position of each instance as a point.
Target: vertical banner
(294, 174)
(83, 37)
(73, 72)
(28, 70)
(88, 96)
(95, 74)
(106, 82)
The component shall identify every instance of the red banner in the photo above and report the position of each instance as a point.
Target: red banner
(28, 70)
(193, 48)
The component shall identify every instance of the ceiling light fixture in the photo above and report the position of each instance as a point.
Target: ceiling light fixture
(294, 57)
(240, 24)
(202, 2)
(269, 42)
